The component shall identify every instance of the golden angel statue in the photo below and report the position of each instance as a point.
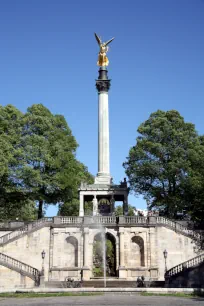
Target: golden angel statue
(102, 58)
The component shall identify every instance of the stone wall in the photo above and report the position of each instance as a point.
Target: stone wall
(12, 279)
(69, 249)
(191, 278)
(179, 247)
(29, 247)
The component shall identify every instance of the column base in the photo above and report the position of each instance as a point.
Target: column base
(86, 273)
(42, 281)
(103, 179)
(122, 272)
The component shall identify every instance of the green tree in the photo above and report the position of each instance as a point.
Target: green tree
(160, 162)
(37, 161)
(70, 207)
(50, 168)
(119, 210)
(22, 210)
(13, 196)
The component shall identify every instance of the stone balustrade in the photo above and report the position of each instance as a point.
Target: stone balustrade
(25, 229)
(103, 220)
(70, 220)
(185, 265)
(19, 266)
(134, 220)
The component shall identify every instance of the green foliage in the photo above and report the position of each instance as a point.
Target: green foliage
(37, 161)
(23, 211)
(119, 210)
(98, 257)
(161, 161)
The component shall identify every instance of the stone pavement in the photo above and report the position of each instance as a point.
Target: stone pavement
(106, 300)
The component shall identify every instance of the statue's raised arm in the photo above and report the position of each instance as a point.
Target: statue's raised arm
(102, 58)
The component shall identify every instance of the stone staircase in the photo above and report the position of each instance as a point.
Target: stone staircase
(20, 267)
(31, 227)
(184, 274)
(193, 262)
(113, 283)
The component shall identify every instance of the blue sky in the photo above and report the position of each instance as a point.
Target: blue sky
(48, 55)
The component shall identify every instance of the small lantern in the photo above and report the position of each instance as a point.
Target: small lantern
(43, 254)
(165, 254)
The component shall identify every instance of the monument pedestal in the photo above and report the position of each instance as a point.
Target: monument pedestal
(122, 272)
(86, 273)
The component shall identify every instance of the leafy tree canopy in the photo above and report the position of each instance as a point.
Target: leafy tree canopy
(119, 210)
(161, 161)
(37, 158)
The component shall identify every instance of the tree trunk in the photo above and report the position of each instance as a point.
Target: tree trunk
(40, 209)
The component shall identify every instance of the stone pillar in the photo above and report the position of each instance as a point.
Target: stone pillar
(81, 205)
(112, 201)
(95, 206)
(103, 85)
(122, 258)
(125, 205)
(86, 269)
(122, 269)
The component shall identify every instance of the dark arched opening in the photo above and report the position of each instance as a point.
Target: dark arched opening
(98, 249)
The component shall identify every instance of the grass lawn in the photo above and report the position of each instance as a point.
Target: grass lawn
(36, 295)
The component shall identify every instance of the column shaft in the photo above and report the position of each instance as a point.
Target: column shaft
(86, 247)
(103, 134)
(122, 258)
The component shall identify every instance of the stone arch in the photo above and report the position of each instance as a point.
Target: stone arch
(111, 258)
(98, 252)
(72, 251)
(137, 256)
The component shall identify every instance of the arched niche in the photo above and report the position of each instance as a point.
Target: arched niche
(137, 256)
(98, 254)
(71, 251)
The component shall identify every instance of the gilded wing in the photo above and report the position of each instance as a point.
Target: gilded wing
(98, 39)
(109, 41)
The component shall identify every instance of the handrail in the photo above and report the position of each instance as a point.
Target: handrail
(20, 267)
(24, 229)
(126, 220)
(177, 227)
(185, 265)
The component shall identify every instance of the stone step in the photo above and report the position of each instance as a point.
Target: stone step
(109, 284)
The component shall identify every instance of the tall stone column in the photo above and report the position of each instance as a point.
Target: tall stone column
(122, 269)
(122, 258)
(125, 205)
(86, 270)
(103, 85)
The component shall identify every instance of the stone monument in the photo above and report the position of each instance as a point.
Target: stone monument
(103, 193)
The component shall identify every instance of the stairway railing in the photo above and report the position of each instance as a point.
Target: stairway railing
(20, 267)
(185, 265)
(176, 226)
(25, 229)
